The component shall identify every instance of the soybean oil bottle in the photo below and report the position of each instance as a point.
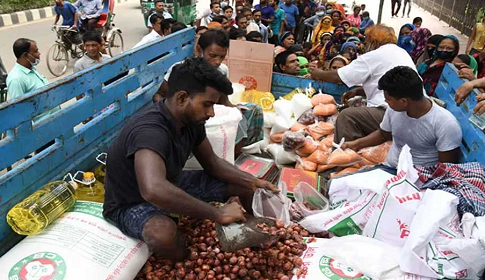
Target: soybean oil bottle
(100, 171)
(89, 188)
(40, 209)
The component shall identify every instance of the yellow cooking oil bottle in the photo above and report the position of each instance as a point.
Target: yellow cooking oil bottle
(100, 171)
(89, 188)
(40, 209)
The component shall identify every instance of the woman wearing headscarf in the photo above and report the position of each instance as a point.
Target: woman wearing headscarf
(466, 61)
(420, 37)
(430, 48)
(338, 62)
(337, 17)
(355, 18)
(349, 48)
(404, 40)
(325, 26)
(447, 49)
(324, 38)
(286, 40)
(333, 46)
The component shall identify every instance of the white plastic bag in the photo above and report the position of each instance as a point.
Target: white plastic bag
(256, 148)
(221, 131)
(281, 156)
(280, 125)
(307, 196)
(348, 218)
(79, 245)
(300, 103)
(268, 204)
(397, 205)
(283, 108)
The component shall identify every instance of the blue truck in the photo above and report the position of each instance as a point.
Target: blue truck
(68, 144)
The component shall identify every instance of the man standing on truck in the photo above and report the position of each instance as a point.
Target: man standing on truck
(145, 182)
(432, 132)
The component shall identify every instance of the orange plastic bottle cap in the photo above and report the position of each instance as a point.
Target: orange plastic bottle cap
(88, 176)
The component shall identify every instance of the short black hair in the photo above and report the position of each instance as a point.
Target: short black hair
(417, 19)
(295, 48)
(200, 28)
(171, 20)
(21, 46)
(465, 58)
(227, 8)
(281, 58)
(257, 11)
(235, 33)
(253, 34)
(402, 82)
(213, 4)
(214, 36)
(194, 75)
(220, 19)
(92, 36)
(239, 16)
(165, 25)
(154, 18)
(156, 1)
(307, 45)
(366, 14)
(245, 9)
(177, 27)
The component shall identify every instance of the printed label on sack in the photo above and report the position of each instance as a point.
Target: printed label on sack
(336, 270)
(39, 266)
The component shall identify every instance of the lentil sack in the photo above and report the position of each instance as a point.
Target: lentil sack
(79, 245)
(376, 154)
(322, 98)
(397, 205)
(325, 110)
(319, 130)
(309, 147)
(221, 131)
(345, 157)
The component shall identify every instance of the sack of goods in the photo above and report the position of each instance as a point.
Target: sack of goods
(78, 245)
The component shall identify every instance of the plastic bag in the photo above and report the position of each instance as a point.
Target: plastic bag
(280, 125)
(281, 156)
(265, 100)
(305, 164)
(341, 157)
(376, 154)
(308, 201)
(283, 108)
(324, 167)
(298, 127)
(256, 148)
(320, 129)
(319, 157)
(332, 119)
(293, 140)
(309, 147)
(277, 137)
(357, 101)
(326, 143)
(322, 98)
(309, 118)
(268, 204)
(325, 110)
(300, 103)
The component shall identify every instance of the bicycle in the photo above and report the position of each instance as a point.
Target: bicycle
(68, 44)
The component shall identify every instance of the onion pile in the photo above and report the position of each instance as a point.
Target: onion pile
(206, 260)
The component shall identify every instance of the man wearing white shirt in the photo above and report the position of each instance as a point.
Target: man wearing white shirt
(160, 12)
(156, 33)
(205, 13)
(252, 26)
(382, 54)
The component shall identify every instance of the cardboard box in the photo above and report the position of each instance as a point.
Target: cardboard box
(251, 64)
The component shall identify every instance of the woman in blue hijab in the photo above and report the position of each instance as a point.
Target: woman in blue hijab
(349, 48)
(404, 40)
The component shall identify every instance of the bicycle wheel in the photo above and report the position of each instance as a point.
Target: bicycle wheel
(115, 43)
(57, 59)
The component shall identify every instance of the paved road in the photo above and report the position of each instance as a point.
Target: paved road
(128, 18)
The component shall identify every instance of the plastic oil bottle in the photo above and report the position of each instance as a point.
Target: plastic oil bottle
(36, 212)
(100, 171)
(89, 188)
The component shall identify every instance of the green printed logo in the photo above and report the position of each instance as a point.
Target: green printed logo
(336, 270)
(39, 266)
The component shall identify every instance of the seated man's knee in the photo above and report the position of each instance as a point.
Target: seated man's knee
(160, 232)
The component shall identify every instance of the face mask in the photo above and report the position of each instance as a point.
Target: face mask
(303, 71)
(36, 60)
(444, 55)
(406, 39)
(320, 13)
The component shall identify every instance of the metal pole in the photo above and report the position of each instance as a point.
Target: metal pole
(451, 14)
(441, 10)
(381, 5)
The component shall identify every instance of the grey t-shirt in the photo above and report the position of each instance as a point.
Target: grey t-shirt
(437, 131)
(85, 62)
